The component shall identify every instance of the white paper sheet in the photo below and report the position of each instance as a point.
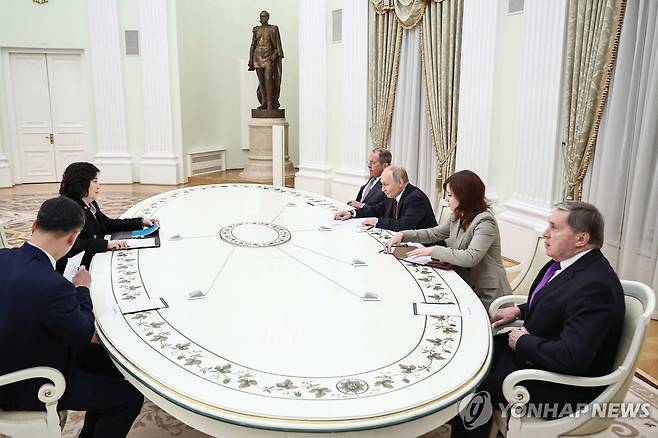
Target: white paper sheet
(72, 265)
(437, 309)
(140, 243)
(142, 305)
(420, 260)
(355, 224)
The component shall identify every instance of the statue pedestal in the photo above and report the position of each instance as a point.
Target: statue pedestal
(259, 161)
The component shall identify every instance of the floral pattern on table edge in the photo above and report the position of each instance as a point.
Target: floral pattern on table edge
(442, 333)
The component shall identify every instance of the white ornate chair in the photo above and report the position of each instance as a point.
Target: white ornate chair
(527, 270)
(42, 424)
(640, 303)
(4, 243)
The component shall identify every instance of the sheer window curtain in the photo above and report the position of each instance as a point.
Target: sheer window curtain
(624, 178)
(410, 142)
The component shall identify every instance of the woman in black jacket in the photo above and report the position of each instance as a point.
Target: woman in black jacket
(80, 183)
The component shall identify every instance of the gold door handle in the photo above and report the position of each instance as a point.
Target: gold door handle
(51, 138)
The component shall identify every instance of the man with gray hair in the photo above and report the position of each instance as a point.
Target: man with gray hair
(572, 319)
(371, 192)
(405, 207)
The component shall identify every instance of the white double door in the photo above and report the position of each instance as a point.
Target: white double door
(50, 113)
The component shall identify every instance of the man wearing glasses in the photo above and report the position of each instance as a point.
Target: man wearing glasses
(371, 192)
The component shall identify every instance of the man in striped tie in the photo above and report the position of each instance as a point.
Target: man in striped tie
(572, 320)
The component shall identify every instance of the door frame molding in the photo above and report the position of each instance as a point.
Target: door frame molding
(10, 108)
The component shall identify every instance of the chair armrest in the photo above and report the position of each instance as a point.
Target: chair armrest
(515, 268)
(513, 324)
(49, 393)
(517, 394)
(507, 299)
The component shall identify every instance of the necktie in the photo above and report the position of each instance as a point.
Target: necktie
(367, 188)
(394, 209)
(552, 269)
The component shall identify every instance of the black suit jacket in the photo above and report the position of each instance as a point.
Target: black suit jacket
(414, 211)
(44, 319)
(574, 326)
(91, 238)
(575, 321)
(375, 194)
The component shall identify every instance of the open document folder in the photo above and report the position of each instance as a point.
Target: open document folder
(142, 239)
(151, 231)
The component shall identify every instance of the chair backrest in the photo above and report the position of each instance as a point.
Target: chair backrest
(4, 243)
(443, 211)
(530, 268)
(640, 302)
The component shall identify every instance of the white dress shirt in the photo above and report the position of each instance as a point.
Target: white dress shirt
(564, 264)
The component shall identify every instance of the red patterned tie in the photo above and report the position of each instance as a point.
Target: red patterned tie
(394, 210)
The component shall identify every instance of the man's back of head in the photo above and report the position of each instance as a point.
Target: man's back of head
(58, 224)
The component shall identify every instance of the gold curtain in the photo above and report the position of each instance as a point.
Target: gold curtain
(384, 40)
(408, 12)
(441, 36)
(593, 31)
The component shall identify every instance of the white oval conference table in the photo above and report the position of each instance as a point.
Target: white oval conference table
(300, 324)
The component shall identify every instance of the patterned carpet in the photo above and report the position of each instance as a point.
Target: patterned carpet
(17, 211)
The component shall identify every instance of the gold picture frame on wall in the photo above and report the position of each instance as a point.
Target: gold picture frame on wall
(40, 2)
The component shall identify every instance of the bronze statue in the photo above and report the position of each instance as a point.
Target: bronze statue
(265, 56)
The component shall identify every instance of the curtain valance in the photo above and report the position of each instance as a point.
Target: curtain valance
(407, 12)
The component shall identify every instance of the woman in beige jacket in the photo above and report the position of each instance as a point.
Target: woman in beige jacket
(471, 235)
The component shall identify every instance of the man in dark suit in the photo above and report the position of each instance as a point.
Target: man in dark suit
(47, 321)
(572, 319)
(405, 207)
(371, 192)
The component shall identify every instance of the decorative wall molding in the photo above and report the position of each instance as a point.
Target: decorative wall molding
(536, 170)
(476, 93)
(111, 134)
(314, 172)
(159, 163)
(351, 172)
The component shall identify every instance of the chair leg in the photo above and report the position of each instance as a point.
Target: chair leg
(63, 416)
